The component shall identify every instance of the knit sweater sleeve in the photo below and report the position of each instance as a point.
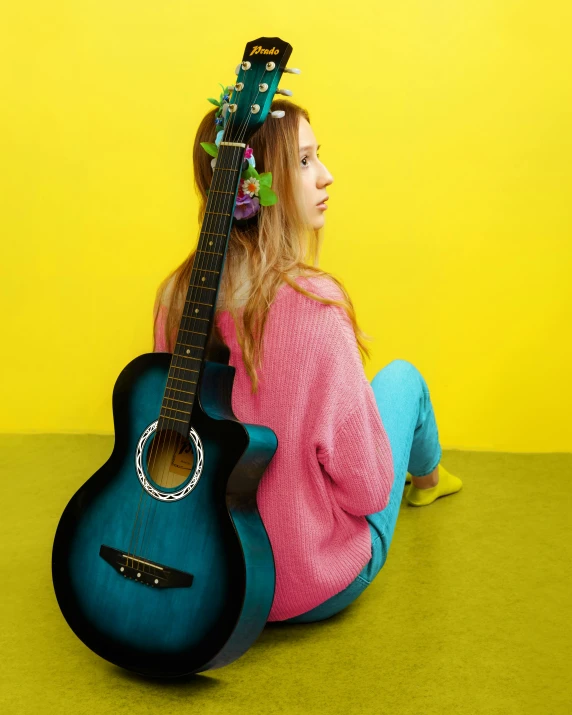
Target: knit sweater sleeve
(353, 446)
(159, 346)
(359, 461)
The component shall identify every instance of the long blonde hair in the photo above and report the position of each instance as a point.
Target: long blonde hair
(272, 249)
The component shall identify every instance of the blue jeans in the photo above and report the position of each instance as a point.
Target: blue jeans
(403, 401)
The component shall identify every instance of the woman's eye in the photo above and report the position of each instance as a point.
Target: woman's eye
(306, 158)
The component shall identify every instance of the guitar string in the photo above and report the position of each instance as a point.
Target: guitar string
(219, 184)
(216, 206)
(152, 505)
(157, 447)
(241, 131)
(154, 452)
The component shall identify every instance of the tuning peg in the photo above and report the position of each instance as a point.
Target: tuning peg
(291, 70)
(287, 92)
(277, 114)
(237, 70)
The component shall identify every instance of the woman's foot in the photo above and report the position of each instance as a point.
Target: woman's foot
(447, 483)
(428, 481)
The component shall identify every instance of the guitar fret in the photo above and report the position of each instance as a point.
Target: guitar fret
(199, 303)
(188, 369)
(174, 399)
(174, 409)
(192, 285)
(190, 345)
(191, 307)
(173, 418)
(190, 357)
(176, 389)
(184, 345)
(197, 332)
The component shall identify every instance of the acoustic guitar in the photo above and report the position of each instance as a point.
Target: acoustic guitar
(161, 563)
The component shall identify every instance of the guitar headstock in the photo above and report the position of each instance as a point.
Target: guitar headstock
(262, 66)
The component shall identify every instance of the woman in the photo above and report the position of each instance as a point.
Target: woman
(330, 497)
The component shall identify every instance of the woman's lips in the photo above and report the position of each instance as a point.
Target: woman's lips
(322, 206)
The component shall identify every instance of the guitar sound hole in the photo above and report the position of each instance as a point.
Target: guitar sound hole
(170, 459)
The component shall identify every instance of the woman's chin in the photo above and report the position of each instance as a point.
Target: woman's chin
(318, 222)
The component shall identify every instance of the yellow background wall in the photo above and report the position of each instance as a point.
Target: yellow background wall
(446, 126)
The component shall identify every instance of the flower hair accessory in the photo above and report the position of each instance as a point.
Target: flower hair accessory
(255, 189)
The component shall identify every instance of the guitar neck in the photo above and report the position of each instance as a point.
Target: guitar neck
(199, 309)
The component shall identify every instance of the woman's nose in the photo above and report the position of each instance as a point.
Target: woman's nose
(326, 178)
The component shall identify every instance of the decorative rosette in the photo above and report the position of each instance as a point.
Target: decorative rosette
(255, 189)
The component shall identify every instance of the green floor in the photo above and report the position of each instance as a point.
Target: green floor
(470, 614)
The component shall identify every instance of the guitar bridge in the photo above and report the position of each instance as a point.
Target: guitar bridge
(144, 571)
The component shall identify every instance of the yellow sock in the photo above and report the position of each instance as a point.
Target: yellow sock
(448, 484)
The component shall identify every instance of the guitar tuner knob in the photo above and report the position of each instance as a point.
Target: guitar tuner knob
(277, 114)
(287, 92)
(237, 70)
(292, 70)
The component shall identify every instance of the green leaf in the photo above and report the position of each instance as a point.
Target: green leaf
(266, 196)
(266, 179)
(214, 101)
(210, 148)
(250, 173)
(223, 89)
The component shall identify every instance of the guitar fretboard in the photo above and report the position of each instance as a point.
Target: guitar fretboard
(198, 312)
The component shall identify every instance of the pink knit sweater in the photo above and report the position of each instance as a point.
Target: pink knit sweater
(333, 464)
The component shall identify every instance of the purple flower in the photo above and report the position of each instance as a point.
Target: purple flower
(248, 152)
(246, 206)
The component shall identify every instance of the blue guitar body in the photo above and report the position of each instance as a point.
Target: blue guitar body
(161, 563)
(169, 581)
